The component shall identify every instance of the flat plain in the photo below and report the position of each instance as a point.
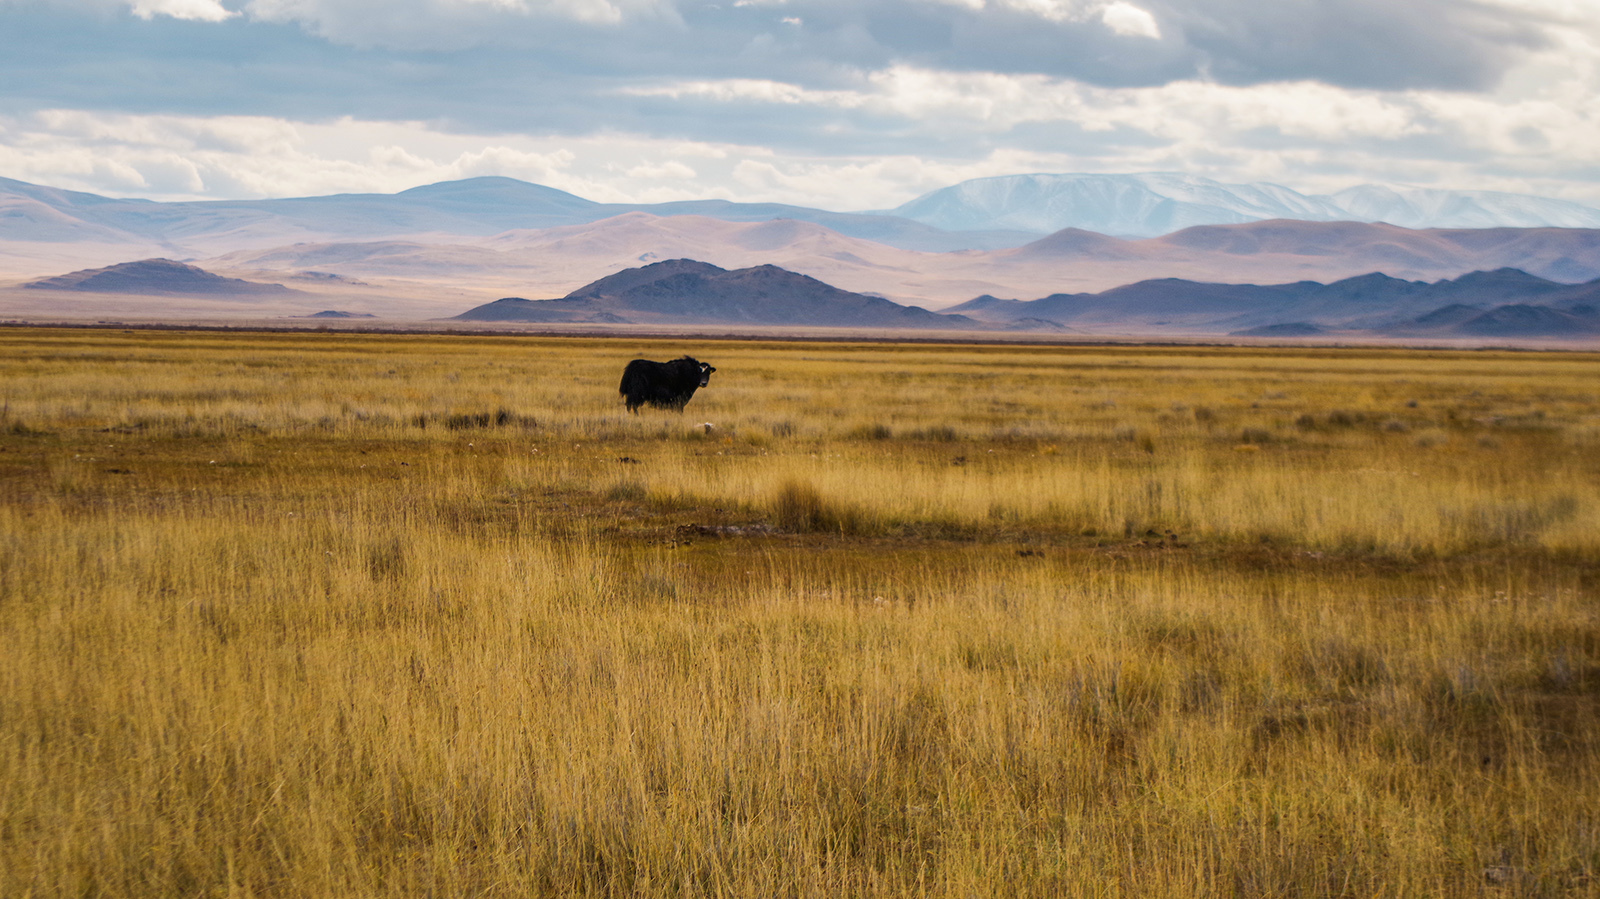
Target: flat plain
(333, 614)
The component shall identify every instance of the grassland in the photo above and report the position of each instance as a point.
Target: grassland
(363, 615)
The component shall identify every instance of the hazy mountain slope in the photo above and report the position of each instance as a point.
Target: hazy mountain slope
(551, 262)
(475, 207)
(157, 277)
(891, 230)
(1149, 205)
(1528, 320)
(480, 206)
(1506, 321)
(1337, 249)
(377, 260)
(1171, 304)
(1433, 208)
(641, 237)
(985, 214)
(1137, 205)
(27, 219)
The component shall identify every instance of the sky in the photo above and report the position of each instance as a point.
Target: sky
(839, 104)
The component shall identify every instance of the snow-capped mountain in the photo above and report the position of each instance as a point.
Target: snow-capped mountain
(1150, 205)
(1420, 207)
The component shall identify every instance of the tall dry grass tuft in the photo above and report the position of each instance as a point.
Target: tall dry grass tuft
(798, 507)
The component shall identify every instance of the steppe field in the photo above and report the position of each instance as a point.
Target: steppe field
(365, 615)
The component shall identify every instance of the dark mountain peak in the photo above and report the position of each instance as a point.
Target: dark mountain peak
(1527, 320)
(1507, 320)
(761, 274)
(768, 270)
(1164, 282)
(1371, 280)
(517, 309)
(1514, 278)
(1453, 314)
(156, 277)
(771, 277)
(1371, 287)
(985, 301)
(1282, 329)
(632, 278)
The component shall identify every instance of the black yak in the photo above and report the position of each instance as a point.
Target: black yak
(667, 385)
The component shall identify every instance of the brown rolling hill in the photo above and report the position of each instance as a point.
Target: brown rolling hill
(1319, 250)
(157, 277)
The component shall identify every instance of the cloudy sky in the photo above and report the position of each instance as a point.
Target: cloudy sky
(843, 104)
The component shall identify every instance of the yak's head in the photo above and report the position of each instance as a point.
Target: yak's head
(705, 373)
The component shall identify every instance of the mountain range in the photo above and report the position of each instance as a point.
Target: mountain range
(475, 207)
(555, 261)
(1501, 303)
(432, 251)
(1494, 304)
(1506, 303)
(981, 214)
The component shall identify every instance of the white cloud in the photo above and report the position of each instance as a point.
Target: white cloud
(746, 90)
(167, 157)
(186, 158)
(443, 24)
(196, 10)
(1052, 10)
(999, 102)
(1305, 110)
(1130, 21)
(666, 170)
(1306, 134)
(869, 137)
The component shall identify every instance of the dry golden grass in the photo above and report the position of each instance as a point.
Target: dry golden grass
(362, 615)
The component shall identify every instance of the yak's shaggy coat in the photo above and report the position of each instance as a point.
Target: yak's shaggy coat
(667, 385)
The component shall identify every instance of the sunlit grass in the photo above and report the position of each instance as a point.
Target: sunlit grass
(370, 615)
